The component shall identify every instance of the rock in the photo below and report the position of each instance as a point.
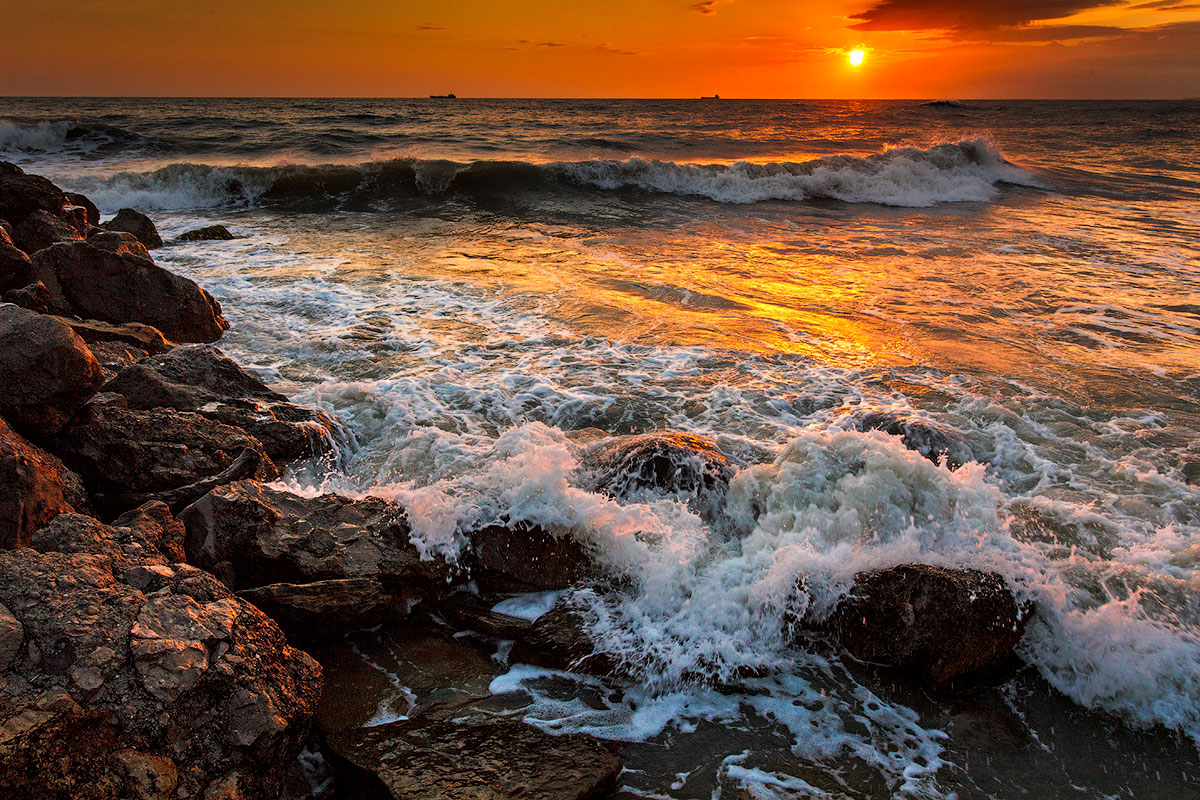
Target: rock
(689, 467)
(478, 758)
(94, 283)
(925, 438)
(6, 226)
(202, 379)
(321, 609)
(557, 640)
(35, 297)
(92, 212)
(118, 242)
(15, 269)
(46, 372)
(209, 233)
(35, 487)
(127, 456)
(142, 678)
(115, 356)
(22, 195)
(935, 624)
(525, 559)
(145, 338)
(138, 224)
(42, 229)
(258, 536)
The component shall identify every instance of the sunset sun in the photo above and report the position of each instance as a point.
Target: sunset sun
(856, 58)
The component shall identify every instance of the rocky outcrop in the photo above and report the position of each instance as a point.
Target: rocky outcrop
(324, 609)
(202, 379)
(137, 223)
(524, 559)
(932, 441)
(486, 758)
(118, 242)
(558, 640)
(22, 195)
(208, 233)
(143, 678)
(42, 229)
(128, 456)
(35, 488)
(34, 296)
(935, 624)
(689, 467)
(15, 269)
(46, 372)
(91, 212)
(146, 338)
(95, 283)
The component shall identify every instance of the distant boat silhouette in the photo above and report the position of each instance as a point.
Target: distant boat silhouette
(442, 97)
(714, 97)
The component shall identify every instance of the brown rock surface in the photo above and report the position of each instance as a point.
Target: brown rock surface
(35, 487)
(41, 229)
(22, 195)
(129, 221)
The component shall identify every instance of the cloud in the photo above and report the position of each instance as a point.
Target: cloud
(910, 15)
(615, 51)
(706, 7)
(1166, 5)
(425, 26)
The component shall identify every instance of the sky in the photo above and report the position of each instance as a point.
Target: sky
(603, 48)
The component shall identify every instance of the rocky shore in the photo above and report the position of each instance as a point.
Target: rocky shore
(156, 589)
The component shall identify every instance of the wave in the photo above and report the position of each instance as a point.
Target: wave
(966, 171)
(52, 137)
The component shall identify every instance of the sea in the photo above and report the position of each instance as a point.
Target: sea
(477, 289)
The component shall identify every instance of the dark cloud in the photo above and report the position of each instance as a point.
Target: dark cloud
(615, 51)
(1052, 33)
(707, 7)
(1166, 5)
(541, 44)
(911, 15)
(425, 26)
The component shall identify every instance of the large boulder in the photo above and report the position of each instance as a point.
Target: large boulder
(930, 440)
(933, 623)
(42, 229)
(524, 559)
(430, 758)
(208, 233)
(691, 468)
(91, 212)
(143, 678)
(202, 379)
(22, 195)
(118, 242)
(35, 488)
(46, 372)
(96, 283)
(326, 609)
(128, 456)
(15, 268)
(137, 223)
(34, 296)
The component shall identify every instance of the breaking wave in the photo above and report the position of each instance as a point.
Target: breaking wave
(65, 137)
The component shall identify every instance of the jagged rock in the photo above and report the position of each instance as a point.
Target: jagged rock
(35, 297)
(146, 338)
(557, 640)
(525, 559)
(936, 624)
(41, 229)
(6, 226)
(22, 195)
(308, 611)
(118, 242)
(928, 439)
(95, 283)
(142, 678)
(479, 758)
(209, 233)
(138, 224)
(127, 456)
(35, 487)
(689, 467)
(202, 379)
(92, 212)
(15, 269)
(46, 372)
(115, 356)
(257, 536)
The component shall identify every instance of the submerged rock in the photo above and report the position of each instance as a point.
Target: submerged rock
(35, 488)
(42, 229)
(208, 233)
(933, 623)
(928, 439)
(494, 759)
(46, 372)
(128, 220)
(689, 467)
(95, 283)
(557, 640)
(143, 678)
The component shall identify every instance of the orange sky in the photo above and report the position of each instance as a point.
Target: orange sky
(615, 48)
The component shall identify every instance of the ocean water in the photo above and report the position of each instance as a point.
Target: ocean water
(477, 288)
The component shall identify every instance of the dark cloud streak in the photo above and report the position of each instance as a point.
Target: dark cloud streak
(911, 15)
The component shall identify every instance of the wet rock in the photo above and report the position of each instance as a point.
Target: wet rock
(495, 759)
(137, 223)
(464, 610)
(689, 467)
(22, 195)
(258, 536)
(145, 338)
(42, 229)
(935, 624)
(321, 609)
(46, 372)
(15, 268)
(94, 283)
(118, 242)
(35, 488)
(34, 296)
(928, 439)
(202, 379)
(127, 456)
(92, 213)
(208, 233)
(142, 678)
(115, 356)
(557, 640)
(525, 559)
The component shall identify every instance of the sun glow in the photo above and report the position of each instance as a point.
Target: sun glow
(856, 58)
